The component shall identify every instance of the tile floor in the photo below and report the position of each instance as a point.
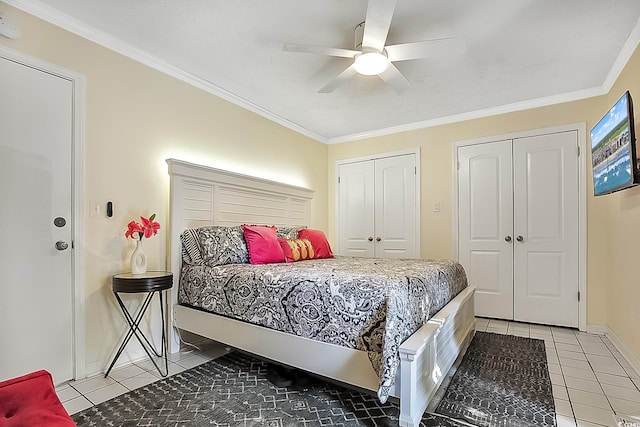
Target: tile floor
(79, 395)
(591, 380)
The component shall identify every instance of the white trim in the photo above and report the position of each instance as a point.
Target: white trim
(580, 128)
(633, 360)
(472, 115)
(623, 57)
(52, 15)
(629, 356)
(340, 162)
(77, 198)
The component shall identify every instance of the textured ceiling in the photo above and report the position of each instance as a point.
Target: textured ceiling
(519, 53)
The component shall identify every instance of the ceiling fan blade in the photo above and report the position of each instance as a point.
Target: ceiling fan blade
(321, 50)
(394, 78)
(377, 23)
(340, 78)
(425, 49)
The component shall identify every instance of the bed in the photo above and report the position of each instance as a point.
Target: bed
(407, 361)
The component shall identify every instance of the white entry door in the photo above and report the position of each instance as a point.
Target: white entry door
(546, 229)
(36, 303)
(518, 227)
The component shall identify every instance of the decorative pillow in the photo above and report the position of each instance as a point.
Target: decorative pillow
(263, 245)
(289, 232)
(296, 249)
(191, 251)
(319, 242)
(223, 245)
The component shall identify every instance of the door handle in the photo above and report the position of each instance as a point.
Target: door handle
(507, 239)
(520, 239)
(378, 239)
(61, 246)
(370, 239)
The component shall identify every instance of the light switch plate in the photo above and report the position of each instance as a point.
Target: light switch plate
(94, 209)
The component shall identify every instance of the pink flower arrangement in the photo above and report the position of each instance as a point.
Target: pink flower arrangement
(147, 228)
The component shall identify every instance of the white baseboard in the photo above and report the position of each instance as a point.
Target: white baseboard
(126, 358)
(633, 360)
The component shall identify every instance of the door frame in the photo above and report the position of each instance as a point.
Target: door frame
(340, 162)
(581, 129)
(77, 195)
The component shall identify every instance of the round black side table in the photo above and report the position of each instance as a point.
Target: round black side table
(151, 282)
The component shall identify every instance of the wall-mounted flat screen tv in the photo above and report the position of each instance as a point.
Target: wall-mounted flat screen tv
(613, 149)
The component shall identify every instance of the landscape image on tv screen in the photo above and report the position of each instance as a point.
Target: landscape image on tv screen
(611, 150)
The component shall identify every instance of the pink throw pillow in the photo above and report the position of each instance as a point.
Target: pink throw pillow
(262, 244)
(296, 249)
(319, 242)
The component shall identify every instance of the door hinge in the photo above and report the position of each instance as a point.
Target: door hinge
(578, 151)
(578, 296)
(415, 170)
(338, 180)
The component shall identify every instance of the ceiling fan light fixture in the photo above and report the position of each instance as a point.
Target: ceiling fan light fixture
(371, 63)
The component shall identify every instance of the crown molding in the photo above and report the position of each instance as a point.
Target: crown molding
(623, 57)
(55, 17)
(478, 114)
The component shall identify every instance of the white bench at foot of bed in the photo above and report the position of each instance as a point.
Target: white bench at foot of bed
(426, 356)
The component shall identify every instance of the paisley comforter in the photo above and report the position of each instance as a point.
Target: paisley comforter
(367, 304)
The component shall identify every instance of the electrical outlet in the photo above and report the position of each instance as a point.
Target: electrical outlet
(436, 206)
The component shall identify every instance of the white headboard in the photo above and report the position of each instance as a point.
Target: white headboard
(201, 195)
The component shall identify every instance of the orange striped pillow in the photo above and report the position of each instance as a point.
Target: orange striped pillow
(296, 249)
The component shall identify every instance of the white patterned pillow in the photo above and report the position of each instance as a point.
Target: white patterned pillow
(223, 245)
(191, 250)
(290, 233)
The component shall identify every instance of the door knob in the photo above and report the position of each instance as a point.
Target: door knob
(61, 246)
(520, 239)
(378, 239)
(370, 239)
(507, 239)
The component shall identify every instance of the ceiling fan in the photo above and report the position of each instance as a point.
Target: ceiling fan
(372, 57)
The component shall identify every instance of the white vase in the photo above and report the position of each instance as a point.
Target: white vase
(138, 259)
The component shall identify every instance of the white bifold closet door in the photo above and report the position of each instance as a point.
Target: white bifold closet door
(377, 208)
(518, 227)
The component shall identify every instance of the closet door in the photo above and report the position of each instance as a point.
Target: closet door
(485, 221)
(395, 207)
(518, 227)
(377, 212)
(546, 229)
(355, 212)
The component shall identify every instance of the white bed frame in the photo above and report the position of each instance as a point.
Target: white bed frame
(204, 196)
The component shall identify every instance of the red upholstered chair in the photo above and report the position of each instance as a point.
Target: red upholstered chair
(30, 401)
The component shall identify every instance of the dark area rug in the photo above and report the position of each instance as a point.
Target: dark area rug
(234, 391)
(503, 380)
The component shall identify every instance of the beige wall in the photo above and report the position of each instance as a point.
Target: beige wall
(620, 232)
(136, 118)
(613, 221)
